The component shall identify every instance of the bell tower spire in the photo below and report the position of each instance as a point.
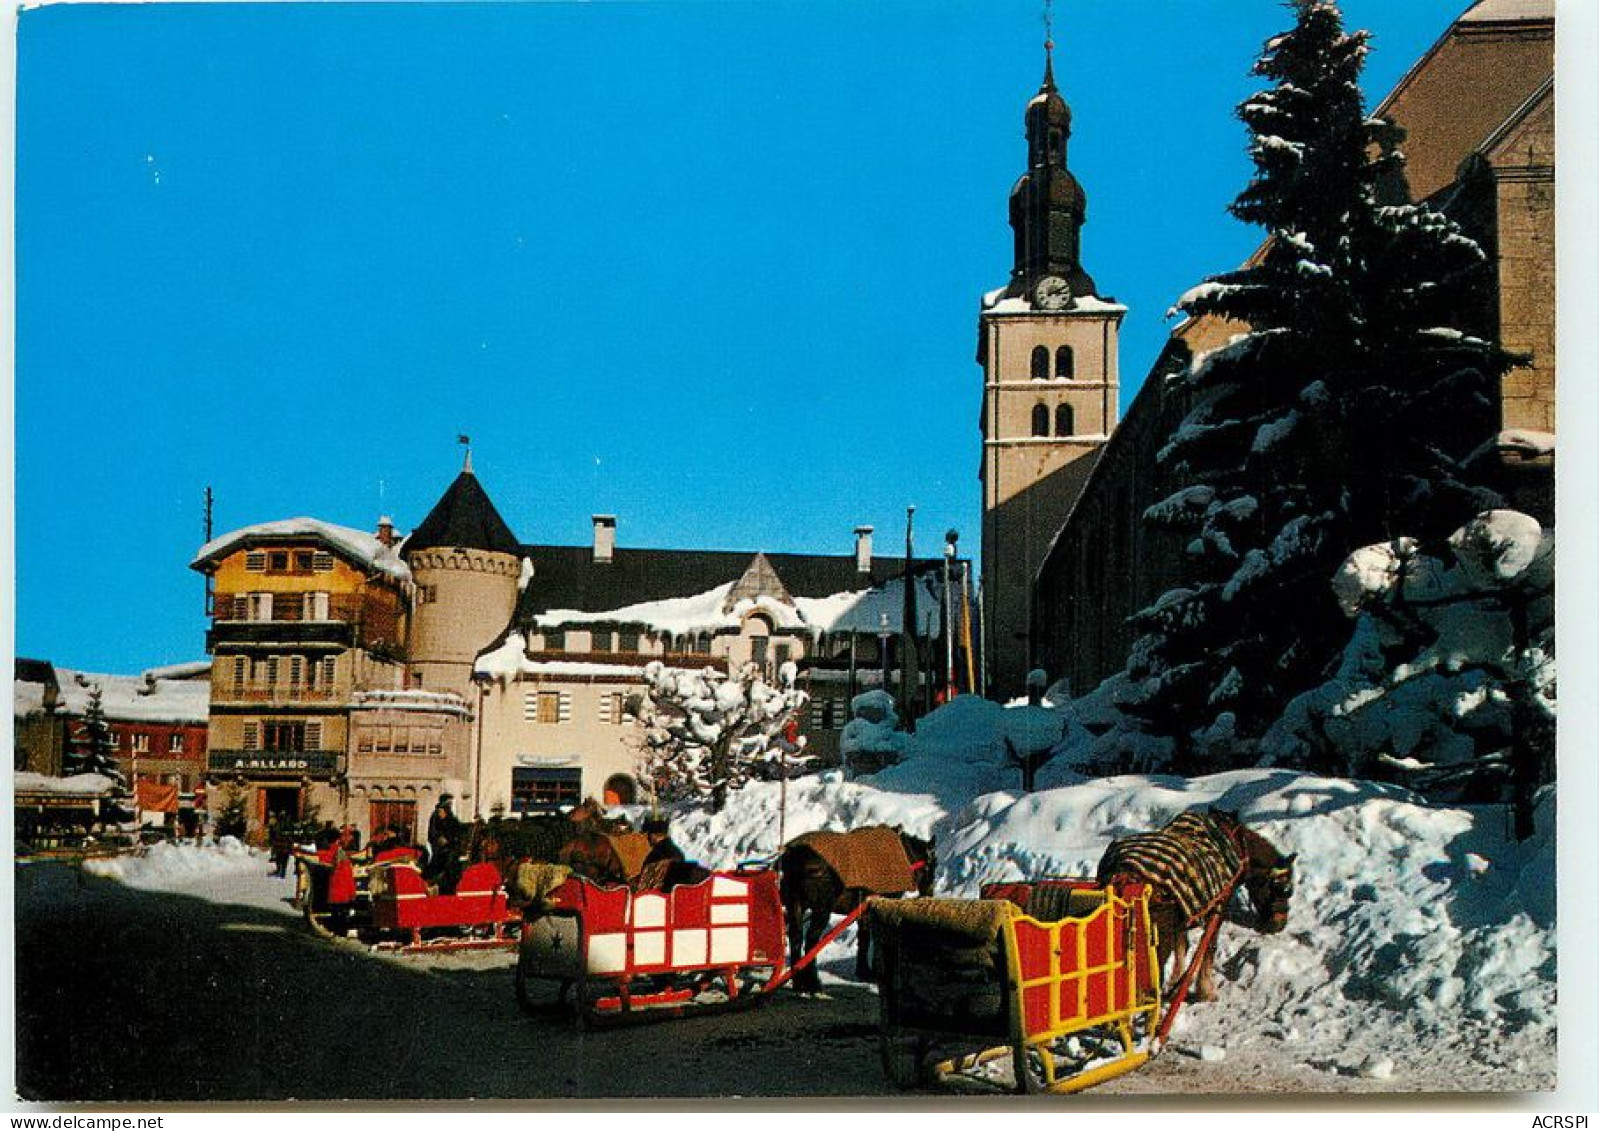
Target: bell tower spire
(1047, 205)
(1047, 344)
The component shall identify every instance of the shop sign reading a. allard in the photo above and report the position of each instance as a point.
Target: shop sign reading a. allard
(303, 763)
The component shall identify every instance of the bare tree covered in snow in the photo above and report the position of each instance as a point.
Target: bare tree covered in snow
(707, 733)
(1342, 418)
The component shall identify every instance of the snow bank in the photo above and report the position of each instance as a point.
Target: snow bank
(169, 866)
(1419, 935)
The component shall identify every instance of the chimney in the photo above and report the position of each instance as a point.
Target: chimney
(604, 537)
(385, 532)
(863, 549)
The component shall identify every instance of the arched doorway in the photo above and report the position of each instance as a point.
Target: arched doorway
(620, 789)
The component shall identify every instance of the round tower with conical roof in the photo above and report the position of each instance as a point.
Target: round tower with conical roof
(467, 566)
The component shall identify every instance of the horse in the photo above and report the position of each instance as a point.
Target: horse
(813, 888)
(1193, 866)
(595, 847)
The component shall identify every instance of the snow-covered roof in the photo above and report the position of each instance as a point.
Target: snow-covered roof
(1085, 304)
(1507, 11)
(136, 698)
(854, 611)
(357, 545)
(510, 659)
(79, 785)
(192, 669)
(27, 697)
(410, 699)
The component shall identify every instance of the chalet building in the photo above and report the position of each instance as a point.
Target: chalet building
(1047, 342)
(157, 722)
(549, 642)
(1478, 112)
(308, 715)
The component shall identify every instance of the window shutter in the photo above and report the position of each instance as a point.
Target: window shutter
(313, 736)
(296, 671)
(255, 561)
(605, 710)
(530, 706)
(241, 607)
(272, 671)
(564, 714)
(238, 671)
(818, 714)
(322, 562)
(252, 736)
(329, 667)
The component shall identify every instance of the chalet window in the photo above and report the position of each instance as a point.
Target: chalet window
(1040, 420)
(322, 562)
(285, 736)
(329, 670)
(313, 736)
(239, 672)
(272, 671)
(1063, 363)
(260, 606)
(255, 561)
(1063, 420)
(555, 640)
(627, 642)
(364, 741)
(537, 790)
(252, 736)
(241, 607)
(383, 739)
(175, 742)
(1040, 363)
(315, 606)
(141, 743)
(602, 641)
(302, 561)
(296, 671)
(611, 708)
(549, 707)
(278, 561)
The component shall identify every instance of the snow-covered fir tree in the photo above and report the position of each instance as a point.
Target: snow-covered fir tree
(91, 750)
(707, 733)
(1341, 418)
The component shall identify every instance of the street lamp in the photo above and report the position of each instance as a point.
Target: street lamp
(951, 537)
(882, 646)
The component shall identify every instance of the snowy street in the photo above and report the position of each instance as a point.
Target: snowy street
(184, 975)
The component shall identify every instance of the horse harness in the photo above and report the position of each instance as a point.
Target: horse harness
(1195, 858)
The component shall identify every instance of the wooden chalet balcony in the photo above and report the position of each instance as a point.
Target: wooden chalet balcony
(285, 607)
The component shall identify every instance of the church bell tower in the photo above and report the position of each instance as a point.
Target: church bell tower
(1047, 344)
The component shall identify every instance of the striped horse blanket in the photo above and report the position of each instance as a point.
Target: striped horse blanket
(1192, 858)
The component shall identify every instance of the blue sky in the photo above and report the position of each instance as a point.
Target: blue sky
(713, 267)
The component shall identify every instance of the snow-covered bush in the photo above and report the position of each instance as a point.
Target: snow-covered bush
(705, 732)
(1448, 681)
(872, 739)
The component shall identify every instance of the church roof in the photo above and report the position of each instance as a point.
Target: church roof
(1509, 11)
(464, 517)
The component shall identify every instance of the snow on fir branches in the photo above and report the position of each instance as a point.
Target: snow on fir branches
(1342, 417)
(92, 749)
(707, 733)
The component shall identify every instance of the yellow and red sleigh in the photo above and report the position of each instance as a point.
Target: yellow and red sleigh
(1059, 976)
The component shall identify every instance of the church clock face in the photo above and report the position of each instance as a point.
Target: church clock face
(1052, 293)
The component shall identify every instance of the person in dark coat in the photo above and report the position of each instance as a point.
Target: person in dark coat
(665, 866)
(446, 842)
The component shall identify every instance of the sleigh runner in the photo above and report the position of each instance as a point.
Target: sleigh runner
(1070, 992)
